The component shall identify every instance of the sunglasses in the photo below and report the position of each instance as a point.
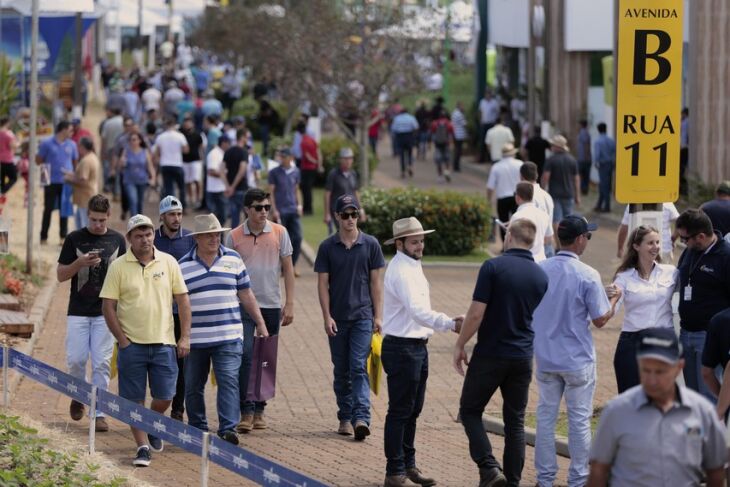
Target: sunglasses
(687, 238)
(346, 215)
(589, 235)
(260, 207)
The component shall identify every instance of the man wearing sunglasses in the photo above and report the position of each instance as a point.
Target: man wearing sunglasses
(564, 352)
(349, 264)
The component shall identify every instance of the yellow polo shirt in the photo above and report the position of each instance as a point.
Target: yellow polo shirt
(144, 296)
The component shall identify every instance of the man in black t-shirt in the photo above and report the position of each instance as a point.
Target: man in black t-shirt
(718, 209)
(236, 162)
(193, 162)
(534, 150)
(85, 258)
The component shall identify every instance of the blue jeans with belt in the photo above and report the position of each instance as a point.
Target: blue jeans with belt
(349, 349)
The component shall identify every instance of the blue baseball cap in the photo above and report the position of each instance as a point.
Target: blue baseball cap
(346, 201)
(170, 203)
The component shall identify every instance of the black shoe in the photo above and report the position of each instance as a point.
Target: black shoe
(229, 436)
(491, 477)
(361, 430)
(178, 415)
(143, 457)
(415, 476)
(155, 443)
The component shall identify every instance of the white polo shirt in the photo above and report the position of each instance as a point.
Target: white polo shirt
(504, 176)
(170, 143)
(543, 223)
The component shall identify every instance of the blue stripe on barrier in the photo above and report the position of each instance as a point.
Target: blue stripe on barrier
(55, 379)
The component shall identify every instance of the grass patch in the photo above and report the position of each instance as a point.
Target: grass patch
(461, 88)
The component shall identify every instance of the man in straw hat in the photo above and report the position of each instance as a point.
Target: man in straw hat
(501, 183)
(408, 322)
(217, 281)
(561, 178)
(138, 292)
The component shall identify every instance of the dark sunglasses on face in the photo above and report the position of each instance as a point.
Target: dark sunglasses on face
(346, 215)
(589, 235)
(687, 238)
(260, 207)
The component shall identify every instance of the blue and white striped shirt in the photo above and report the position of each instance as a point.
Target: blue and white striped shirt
(459, 122)
(214, 297)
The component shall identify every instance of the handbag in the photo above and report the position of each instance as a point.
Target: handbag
(262, 378)
(375, 364)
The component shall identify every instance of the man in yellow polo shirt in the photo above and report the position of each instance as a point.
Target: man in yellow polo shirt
(138, 293)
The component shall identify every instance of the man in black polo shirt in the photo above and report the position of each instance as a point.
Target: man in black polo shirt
(704, 278)
(350, 288)
(507, 291)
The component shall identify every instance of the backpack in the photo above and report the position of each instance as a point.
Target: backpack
(441, 136)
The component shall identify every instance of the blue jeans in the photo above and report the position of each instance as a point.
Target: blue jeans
(236, 206)
(349, 349)
(293, 225)
(605, 178)
(226, 360)
(81, 217)
(173, 176)
(563, 208)
(138, 362)
(272, 318)
(218, 205)
(89, 337)
(578, 387)
(135, 197)
(693, 343)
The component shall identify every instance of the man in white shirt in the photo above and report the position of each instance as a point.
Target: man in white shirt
(497, 137)
(540, 198)
(408, 322)
(169, 147)
(151, 99)
(527, 210)
(669, 216)
(215, 197)
(503, 179)
(488, 115)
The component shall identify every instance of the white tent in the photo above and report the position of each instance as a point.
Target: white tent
(50, 6)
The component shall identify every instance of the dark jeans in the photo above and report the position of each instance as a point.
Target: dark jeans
(483, 155)
(51, 200)
(235, 205)
(173, 176)
(8, 176)
(584, 169)
(624, 361)
(505, 208)
(308, 178)
(483, 378)
(373, 144)
(272, 318)
(178, 402)
(405, 360)
(404, 142)
(293, 224)
(605, 174)
(217, 203)
(458, 146)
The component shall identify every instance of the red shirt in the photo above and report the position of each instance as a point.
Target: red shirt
(374, 127)
(78, 134)
(6, 140)
(309, 147)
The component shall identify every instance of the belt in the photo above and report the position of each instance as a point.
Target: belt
(412, 341)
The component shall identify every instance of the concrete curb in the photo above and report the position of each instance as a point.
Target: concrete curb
(496, 426)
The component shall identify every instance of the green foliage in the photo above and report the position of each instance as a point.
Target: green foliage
(330, 147)
(277, 141)
(8, 85)
(249, 108)
(461, 220)
(26, 459)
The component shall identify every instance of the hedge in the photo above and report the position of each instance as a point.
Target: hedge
(461, 220)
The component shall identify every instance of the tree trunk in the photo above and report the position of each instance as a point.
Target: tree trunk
(363, 144)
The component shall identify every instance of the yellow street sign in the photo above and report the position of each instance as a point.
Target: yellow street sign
(648, 100)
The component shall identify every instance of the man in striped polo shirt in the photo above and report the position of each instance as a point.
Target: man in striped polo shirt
(217, 281)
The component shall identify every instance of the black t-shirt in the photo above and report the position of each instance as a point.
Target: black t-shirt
(717, 344)
(232, 159)
(194, 142)
(536, 147)
(511, 286)
(86, 284)
(709, 275)
(719, 213)
(562, 168)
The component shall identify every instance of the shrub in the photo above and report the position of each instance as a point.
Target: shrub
(330, 147)
(460, 220)
(279, 141)
(249, 108)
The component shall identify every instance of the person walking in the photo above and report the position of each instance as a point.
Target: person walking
(85, 258)
(526, 210)
(488, 116)
(534, 150)
(217, 281)
(217, 183)
(408, 322)
(235, 160)
(341, 180)
(497, 137)
(311, 165)
(266, 250)
(8, 146)
(502, 356)
(560, 177)
(168, 150)
(658, 434)
(458, 120)
(84, 180)
(285, 207)
(564, 352)
(349, 267)
(442, 133)
(60, 154)
(405, 128)
(604, 153)
(193, 162)
(647, 287)
(584, 156)
(718, 209)
(138, 171)
(137, 308)
(501, 183)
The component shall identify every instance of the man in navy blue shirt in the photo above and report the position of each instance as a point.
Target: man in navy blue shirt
(349, 264)
(177, 241)
(285, 208)
(507, 291)
(61, 154)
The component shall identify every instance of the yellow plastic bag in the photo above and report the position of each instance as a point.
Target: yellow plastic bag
(113, 364)
(375, 365)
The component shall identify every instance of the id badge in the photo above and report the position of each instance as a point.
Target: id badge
(688, 293)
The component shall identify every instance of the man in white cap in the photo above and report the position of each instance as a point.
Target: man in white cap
(138, 292)
(501, 183)
(341, 180)
(217, 281)
(408, 322)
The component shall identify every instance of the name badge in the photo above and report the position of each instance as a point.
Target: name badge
(688, 293)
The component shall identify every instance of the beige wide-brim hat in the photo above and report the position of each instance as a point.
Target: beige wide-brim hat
(508, 149)
(560, 141)
(208, 224)
(407, 227)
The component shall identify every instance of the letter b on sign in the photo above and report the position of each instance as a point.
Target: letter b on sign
(642, 56)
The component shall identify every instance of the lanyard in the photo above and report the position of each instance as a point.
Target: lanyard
(696, 264)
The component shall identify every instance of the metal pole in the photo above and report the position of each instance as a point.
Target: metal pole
(92, 421)
(531, 73)
(204, 460)
(78, 70)
(447, 55)
(6, 384)
(33, 136)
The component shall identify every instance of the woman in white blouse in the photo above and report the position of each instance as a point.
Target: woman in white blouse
(647, 287)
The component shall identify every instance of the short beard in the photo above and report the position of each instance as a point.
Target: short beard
(412, 256)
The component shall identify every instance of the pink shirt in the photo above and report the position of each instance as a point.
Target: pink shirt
(6, 151)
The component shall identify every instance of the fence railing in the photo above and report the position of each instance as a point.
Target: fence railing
(208, 447)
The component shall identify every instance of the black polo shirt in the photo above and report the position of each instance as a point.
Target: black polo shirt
(339, 183)
(717, 344)
(709, 275)
(511, 286)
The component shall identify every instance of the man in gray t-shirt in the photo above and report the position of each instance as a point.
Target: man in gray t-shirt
(341, 180)
(560, 177)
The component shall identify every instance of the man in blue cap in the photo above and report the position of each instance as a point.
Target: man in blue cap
(175, 240)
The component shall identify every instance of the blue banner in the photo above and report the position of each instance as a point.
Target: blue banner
(55, 379)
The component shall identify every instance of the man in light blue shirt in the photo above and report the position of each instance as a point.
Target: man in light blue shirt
(404, 127)
(604, 153)
(564, 351)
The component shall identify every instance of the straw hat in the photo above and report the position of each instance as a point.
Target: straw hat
(407, 227)
(508, 149)
(560, 141)
(207, 224)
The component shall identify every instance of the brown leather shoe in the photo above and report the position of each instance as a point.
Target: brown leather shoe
(259, 423)
(345, 428)
(76, 409)
(101, 426)
(246, 424)
(398, 481)
(414, 475)
(178, 415)
(362, 430)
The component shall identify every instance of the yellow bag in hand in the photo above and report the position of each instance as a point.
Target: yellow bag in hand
(113, 363)
(375, 366)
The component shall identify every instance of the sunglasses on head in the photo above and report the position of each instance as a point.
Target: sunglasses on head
(346, 215)
(260, 207)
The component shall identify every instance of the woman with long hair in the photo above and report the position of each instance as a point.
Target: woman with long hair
(139, 172)
(647, 287)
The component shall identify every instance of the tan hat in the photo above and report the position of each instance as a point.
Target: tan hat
(560, 141)
(407, 227)
(207, 224)
(139, 221)
(508, 149)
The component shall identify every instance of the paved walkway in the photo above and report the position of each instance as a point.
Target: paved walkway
(302, 417)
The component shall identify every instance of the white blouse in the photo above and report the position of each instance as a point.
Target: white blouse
(648, 304)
